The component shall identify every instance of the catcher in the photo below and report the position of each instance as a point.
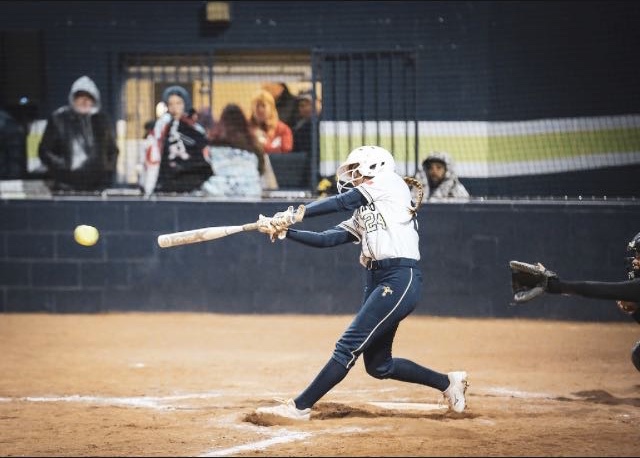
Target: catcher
(529, 281)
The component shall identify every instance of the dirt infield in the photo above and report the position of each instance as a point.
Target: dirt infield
(182, 384)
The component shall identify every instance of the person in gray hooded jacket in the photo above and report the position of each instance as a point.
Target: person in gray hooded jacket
(440, 178)
(78, 146)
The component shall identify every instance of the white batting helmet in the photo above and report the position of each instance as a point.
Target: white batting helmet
(367, 161)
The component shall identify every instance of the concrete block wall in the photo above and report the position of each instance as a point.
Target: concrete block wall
(465, 252)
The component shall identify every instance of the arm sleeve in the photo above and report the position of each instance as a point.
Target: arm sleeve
(623, 291)
(350, 200)
(331, 237)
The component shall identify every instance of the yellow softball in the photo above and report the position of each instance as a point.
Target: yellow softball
(86, 235)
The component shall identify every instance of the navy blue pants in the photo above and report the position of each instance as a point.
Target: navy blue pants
(391, 294)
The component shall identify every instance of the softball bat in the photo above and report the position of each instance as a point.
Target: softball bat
(203, 234)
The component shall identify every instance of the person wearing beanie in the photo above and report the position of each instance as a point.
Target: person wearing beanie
(176, 159)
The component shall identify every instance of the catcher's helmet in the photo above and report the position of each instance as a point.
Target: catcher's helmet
(367, 161)
(635, 355)
(634, 248)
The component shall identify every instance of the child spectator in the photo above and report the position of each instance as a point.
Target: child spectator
(176, 160)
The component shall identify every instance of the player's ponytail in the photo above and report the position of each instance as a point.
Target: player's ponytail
(417, 191)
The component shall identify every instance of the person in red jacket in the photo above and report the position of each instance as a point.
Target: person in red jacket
(274, 135)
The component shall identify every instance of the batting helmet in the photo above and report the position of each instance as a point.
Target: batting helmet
(367, 161)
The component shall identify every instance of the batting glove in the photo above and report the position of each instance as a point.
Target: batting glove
(282, 220)
(266, 226)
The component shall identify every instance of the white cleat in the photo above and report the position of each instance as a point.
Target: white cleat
(455, 393)
(287, 409)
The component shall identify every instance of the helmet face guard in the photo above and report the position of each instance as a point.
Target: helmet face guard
(346, 178)
(363, 162)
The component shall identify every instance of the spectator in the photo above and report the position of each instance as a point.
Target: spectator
(302, 134)
(440, 178)
(12, 148)
(78, 146)
(240, 166)
(176, 161)
(274, 135)
(286, 103)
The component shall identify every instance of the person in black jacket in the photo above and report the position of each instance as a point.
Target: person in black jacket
(302, 131)
(78, 146)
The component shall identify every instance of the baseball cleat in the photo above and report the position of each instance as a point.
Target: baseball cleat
(455, 393)
(287, 409)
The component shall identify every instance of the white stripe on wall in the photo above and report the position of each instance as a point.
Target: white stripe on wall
(480, 128)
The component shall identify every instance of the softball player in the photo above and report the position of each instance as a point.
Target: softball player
(384, 223)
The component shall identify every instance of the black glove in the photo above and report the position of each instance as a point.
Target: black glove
(528, 281)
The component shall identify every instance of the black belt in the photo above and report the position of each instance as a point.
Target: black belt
(391, 262)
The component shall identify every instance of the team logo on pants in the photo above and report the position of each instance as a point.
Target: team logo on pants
(386, 290)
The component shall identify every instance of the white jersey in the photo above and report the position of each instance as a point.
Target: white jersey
(385, 226)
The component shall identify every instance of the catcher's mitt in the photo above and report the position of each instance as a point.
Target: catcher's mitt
(528, 281)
